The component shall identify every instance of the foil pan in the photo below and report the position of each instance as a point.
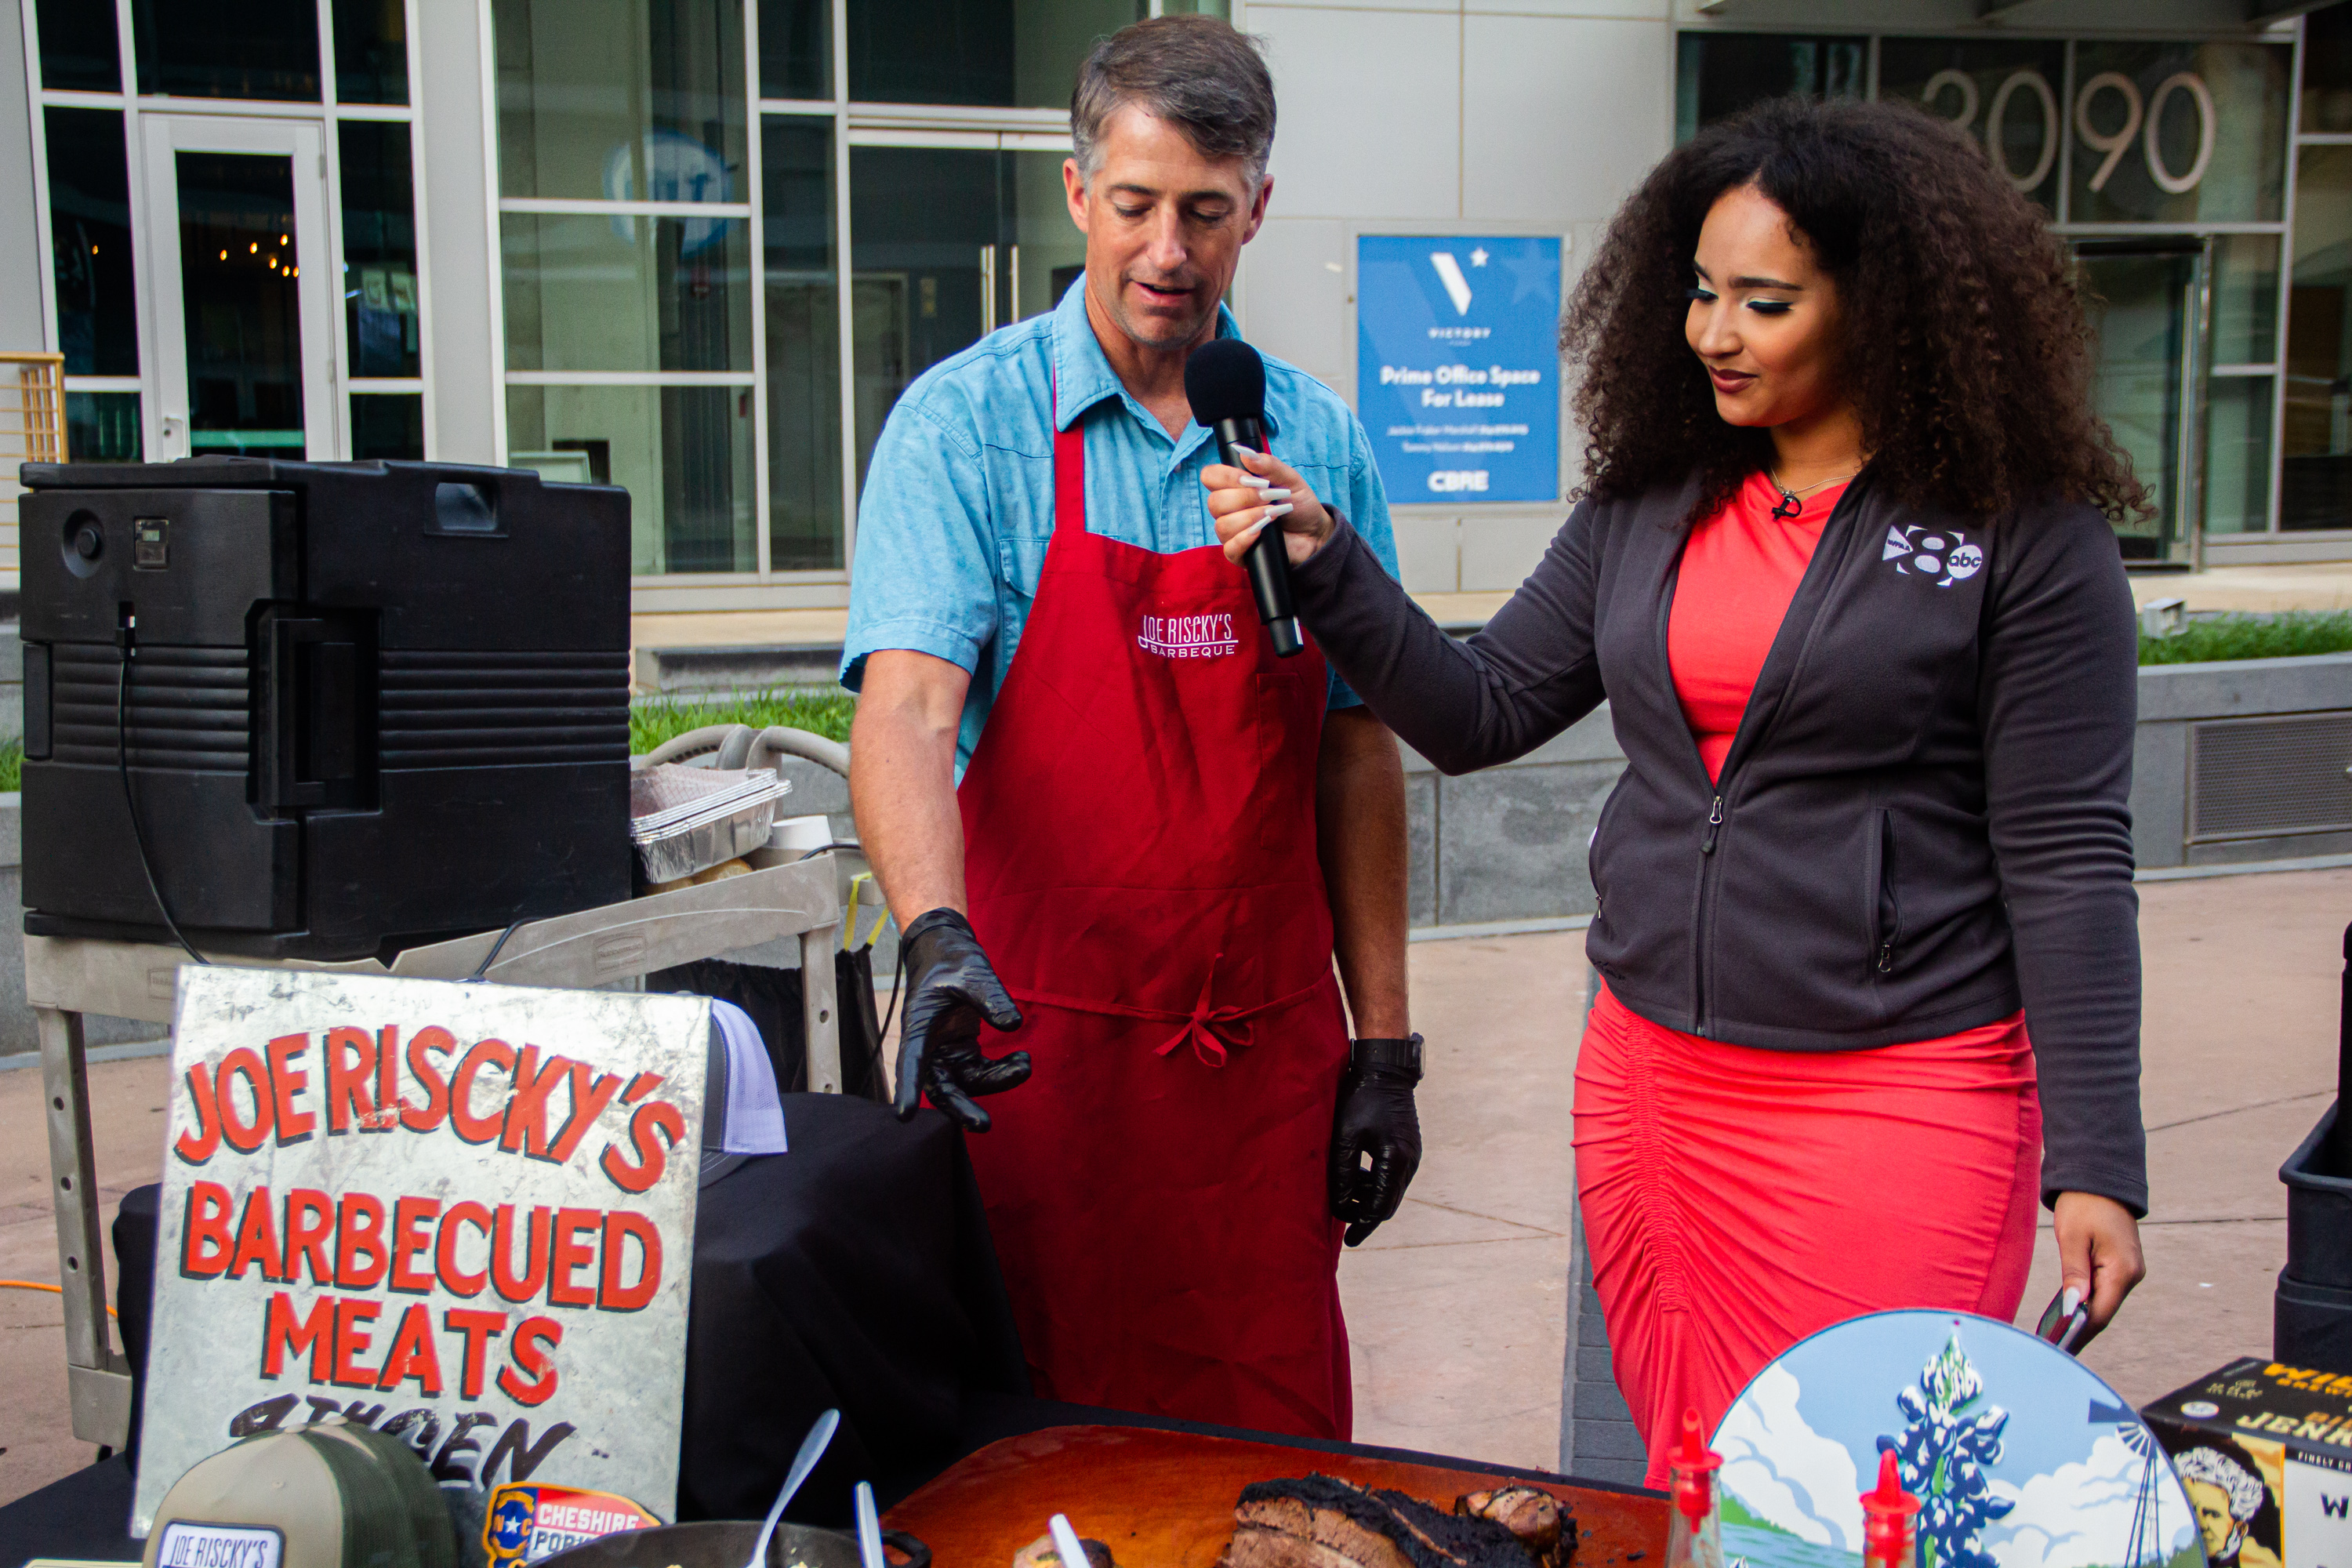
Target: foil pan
(677, 842)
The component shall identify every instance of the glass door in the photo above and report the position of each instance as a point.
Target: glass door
(243, 308)
(2146, 301)
(948, 243)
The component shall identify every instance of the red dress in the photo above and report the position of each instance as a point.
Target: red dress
(1736, 1200)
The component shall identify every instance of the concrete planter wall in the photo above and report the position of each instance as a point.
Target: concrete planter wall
(2245, 760)
(1508, 843)
(2234, 762)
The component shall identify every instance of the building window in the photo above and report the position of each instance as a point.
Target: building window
(79, 51)
(800, 279)
(2316, 485)
(949, 244)
(90, 241)
(254, 49)
(389, 425)
(370, 51)
(242, 304)
(2004, 94)
(2178, 133)
(1716, 75)
(628, 322)
(378, 251)
(103, 427)
(796, 49)
(1003, 52)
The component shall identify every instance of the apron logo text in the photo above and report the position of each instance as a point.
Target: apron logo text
(1188, 636)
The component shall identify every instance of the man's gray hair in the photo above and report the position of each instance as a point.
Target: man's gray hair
(2216, 1468)
(1195, 72)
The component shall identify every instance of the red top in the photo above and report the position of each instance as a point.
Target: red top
(1739, 571)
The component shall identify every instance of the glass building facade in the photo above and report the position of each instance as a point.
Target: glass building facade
(699, 247)
(2205, 186)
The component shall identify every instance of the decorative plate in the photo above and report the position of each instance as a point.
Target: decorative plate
(2021, 1455)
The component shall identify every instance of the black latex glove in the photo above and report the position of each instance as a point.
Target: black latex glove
(949, 990)
(1375, 1117)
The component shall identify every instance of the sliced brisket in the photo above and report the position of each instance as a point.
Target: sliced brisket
(1316, 1522)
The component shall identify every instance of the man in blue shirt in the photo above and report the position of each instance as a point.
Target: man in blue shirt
(1108, 815)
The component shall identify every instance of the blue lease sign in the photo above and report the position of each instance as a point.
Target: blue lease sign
(1457, 367)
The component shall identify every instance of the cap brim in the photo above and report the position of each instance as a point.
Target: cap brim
(717, 1165)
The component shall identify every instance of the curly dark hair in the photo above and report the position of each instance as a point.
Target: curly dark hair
(1964, 349)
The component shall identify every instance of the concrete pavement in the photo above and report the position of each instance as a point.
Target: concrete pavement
(1457, 1306)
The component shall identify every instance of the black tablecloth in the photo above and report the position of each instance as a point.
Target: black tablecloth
(854, 1272)
(82, 1515)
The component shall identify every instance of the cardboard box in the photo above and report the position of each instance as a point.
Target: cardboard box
(2264, 1452)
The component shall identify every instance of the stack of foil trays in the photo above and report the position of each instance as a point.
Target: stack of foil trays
(686, 820)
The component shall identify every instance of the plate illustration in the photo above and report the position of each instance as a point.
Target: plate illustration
(2020, 1456)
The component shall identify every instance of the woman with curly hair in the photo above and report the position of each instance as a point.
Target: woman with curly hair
(1844, 572)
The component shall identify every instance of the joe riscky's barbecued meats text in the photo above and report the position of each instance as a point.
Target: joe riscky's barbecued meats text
(436, 1229)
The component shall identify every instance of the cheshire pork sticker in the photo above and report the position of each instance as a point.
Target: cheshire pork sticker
(526, 1523)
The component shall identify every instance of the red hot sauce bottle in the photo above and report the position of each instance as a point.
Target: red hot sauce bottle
(1694, 1527)
(1888, 1539)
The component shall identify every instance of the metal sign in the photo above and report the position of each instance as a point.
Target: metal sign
(460, 1214)
(1457, 365)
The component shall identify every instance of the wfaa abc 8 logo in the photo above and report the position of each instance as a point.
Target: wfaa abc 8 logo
(1942, 556)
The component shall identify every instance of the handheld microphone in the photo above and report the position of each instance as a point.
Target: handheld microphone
(1224, 381)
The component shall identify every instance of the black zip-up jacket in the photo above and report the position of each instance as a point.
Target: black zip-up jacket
(1923, 824)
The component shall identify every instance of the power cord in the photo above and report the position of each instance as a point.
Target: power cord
(127, 639)
(496, 948)
(897, 973)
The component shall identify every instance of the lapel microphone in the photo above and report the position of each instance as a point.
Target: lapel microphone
(1224, 381)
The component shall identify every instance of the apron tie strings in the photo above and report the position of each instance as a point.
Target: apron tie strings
(1211, 1030)
(1203, 1027)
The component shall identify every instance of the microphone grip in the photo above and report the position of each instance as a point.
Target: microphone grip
(1267, 563)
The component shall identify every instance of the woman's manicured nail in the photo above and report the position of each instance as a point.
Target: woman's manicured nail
(1274, 493)
(2073, 1301)
(1279, 508)
(1246, 452)
(1256, 481)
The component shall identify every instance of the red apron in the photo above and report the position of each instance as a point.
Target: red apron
(1139, 829)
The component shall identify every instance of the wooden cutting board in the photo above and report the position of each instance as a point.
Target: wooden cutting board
(1165, 1499)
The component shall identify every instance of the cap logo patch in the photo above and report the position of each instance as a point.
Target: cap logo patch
(189, 1545)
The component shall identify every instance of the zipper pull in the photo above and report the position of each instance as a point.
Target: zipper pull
(1886, 956)
(1714, 821)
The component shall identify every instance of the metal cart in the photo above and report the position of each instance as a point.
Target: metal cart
(66, 977)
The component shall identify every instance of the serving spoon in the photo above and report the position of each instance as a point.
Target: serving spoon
(812, 1449)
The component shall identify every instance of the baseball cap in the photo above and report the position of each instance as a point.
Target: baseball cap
(330, 1495)
(742, 1115)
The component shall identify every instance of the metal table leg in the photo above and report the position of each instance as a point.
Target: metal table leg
(97, 1377)
(819, 1010)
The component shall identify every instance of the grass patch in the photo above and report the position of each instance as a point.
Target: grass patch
(2283, 635)
(661, 719)
(11, 766)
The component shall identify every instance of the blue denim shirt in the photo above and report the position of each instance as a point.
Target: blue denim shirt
(959, 500)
